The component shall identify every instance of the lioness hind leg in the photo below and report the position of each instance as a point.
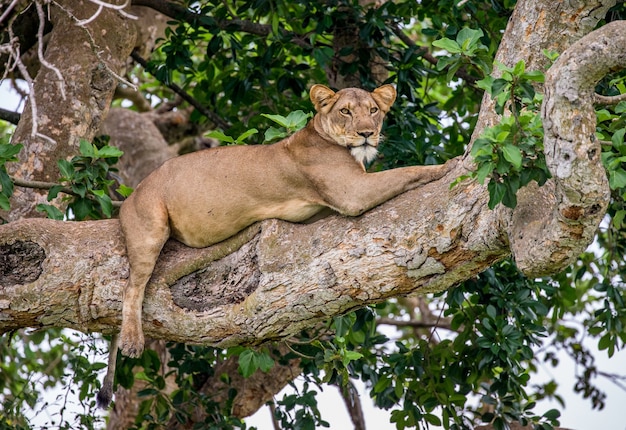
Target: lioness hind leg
(144, 240)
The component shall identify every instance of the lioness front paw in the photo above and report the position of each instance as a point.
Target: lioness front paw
(131, 343)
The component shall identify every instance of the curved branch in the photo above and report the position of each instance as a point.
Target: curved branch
(608, 100)
(548, 232)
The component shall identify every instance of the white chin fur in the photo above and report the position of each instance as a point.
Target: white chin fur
(364, 154)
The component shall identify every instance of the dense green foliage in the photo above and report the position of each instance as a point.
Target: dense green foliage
(475, 366)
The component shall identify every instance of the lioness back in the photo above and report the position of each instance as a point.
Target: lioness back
(226, 189)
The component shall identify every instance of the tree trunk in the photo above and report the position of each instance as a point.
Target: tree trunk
(89, 77)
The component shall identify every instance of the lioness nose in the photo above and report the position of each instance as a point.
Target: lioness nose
(365, 134)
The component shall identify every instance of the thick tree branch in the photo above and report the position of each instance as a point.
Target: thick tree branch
(283, 277)
(546, 235)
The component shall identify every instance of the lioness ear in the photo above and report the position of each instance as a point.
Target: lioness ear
(384, 96)
(320, 96)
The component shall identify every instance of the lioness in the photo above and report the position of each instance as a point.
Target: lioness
(207, 196)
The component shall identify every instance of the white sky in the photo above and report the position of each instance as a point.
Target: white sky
(577, 415)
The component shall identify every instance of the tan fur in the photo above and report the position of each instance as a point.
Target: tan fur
(205, 197)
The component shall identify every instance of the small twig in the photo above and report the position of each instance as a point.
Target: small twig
(8, 10)
(42, 60)
(29, 81)
(413, 324)
(599, 99)
(102, 5)
(41, 185)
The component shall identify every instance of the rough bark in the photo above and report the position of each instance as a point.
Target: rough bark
(281, 279)
(88, 57)
(549, 219)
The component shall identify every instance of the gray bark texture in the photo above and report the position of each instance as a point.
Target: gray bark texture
(90, 56)
(275, 278)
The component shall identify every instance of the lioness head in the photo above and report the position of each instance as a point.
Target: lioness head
(352, 117)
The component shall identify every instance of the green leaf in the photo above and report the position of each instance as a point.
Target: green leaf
(296, 120)
(6, 182)
(323, 55)
(109, 152)
(509, 199)
(432, 419)
(617, 178)
(81, 207)
(9, 151)
(468, 38)
(54, 192)
(87, 149)
(124, 190)
(535, 76)
(603, 115)
(552, 414)
(240, 140)
(50, 211)
(274, 133)
(66, 169)
(351, 356)
(278, 119)
(247, 363)
(215, 134)
(484, 171)
(449, 45)
(512, 154)
(618, 219)
(265, 362)
(105, 202)
(618, 137)
(519, 68)
(496, 193)
(4, 202)
(486, 83)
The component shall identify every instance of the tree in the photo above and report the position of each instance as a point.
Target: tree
(280, 300)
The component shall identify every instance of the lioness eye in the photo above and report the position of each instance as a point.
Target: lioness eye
(345, 111)
(374, 110)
